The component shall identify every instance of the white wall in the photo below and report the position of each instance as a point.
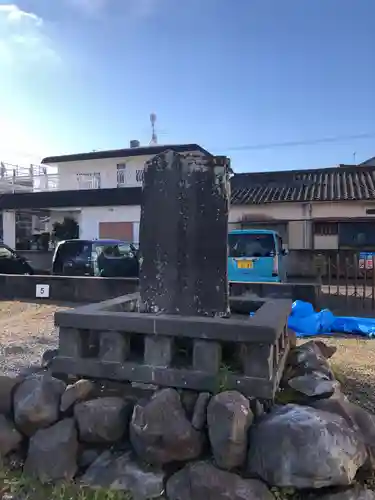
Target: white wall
(341, 210)
(91, 216)
(9, 228)
(279, 211)
(67, 171)
(326, 242)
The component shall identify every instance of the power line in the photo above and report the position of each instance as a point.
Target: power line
(288, 144)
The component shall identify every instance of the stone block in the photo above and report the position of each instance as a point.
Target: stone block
(114, 346)
(158, 351)
(206, 356)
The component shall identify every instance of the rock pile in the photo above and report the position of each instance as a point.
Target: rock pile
(180, 445)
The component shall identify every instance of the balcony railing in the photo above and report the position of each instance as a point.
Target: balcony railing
(126, 178)
(37, 178)
(89, 181)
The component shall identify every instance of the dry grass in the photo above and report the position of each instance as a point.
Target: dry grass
(14, 486)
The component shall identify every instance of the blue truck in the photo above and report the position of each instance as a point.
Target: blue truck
(256, 255)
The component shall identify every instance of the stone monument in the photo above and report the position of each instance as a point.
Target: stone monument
(183, 235)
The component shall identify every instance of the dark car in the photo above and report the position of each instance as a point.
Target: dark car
(13, 263)
(106, 258)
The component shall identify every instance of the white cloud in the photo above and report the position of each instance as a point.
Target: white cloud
(23, 37)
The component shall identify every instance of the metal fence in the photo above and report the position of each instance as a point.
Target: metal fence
(348, 280)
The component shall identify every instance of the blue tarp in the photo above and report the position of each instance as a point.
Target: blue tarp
(307, 323)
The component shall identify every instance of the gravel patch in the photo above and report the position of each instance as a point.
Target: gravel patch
(26, 331)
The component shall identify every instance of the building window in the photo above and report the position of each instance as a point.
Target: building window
(326, 228)
(359, 235)
(89, 181)
(139, 176)
(121, 177)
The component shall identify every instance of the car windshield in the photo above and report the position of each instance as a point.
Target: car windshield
(251, 245)
(114, 250)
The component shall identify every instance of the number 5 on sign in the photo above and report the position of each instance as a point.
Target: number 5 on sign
(42, 291)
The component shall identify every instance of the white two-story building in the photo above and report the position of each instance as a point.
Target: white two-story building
(100, 190)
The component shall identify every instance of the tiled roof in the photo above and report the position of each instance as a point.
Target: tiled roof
(342, 183)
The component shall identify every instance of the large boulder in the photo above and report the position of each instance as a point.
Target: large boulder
(74, 393)
(314, 384)
(229, 418)
(52, 454)
(301, 447)
(123, 472)
(311, 356)
(102, 420)
(356, 417)
(10, 438)
(199, 418)
(37, 402)
(203, 481)
(7, 388)
(327, 350)
(160, 431)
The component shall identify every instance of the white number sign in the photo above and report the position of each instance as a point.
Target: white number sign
(42, 291)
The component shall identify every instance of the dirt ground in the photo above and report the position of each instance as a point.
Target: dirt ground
(26, 331)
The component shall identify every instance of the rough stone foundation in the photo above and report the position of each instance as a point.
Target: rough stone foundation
(184, 445)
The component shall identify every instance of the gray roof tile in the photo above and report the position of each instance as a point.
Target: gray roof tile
(342, 183)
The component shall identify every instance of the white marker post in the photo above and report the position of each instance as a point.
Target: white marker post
(42, 291)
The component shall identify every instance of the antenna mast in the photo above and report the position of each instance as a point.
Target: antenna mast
(154, 137)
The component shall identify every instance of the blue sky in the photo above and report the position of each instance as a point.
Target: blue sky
(78, 75)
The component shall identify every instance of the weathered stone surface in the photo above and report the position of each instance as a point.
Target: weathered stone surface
(355, 416)
(191, 193)
(314, 384)
(188, 400)
(87, 457)
(357, 493)
(327, 350)
(48, 356)
(229, 418)
(123, 472)
(257, 408)
(203, 481)
(37, 402)
(160, 431)
(10, 438)
(301, 447)
(52, 452)
(308, 358)
(7, 387)
(15, 460)
(199, 419)
(74, 393)
(102, 420)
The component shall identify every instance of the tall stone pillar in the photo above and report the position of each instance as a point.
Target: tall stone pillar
(183, 235)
